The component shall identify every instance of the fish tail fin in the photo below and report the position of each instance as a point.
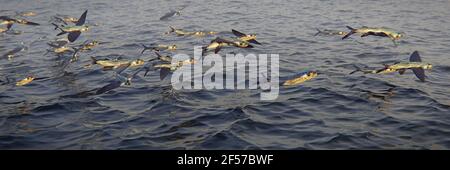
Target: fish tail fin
(163, 73)
(420, 73)
(145, 48)
(128, 81)
(357, 69)
(94, 60)
(56, 26)
(47, 51)
(147, 69)
(204, 49)
(318, 32)
(352, 31)
(172, 29)
(75, 54)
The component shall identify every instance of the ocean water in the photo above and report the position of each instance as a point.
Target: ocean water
(332, 111)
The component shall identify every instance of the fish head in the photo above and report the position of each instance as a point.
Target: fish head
(21, 21)
(252, 36)
(311, 74)
(138, 62)
(199, 33)
(93, 43)
(128, 81)
(172, 47)
(84, 28)
(165, 58)
(428, 67)
(397, 36)
(29, 78)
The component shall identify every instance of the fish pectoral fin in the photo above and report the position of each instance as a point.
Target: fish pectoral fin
(415, 57)
(401, 71)
(420, 73)
(73, 36)
(254, 41)
(146, 71)
(395, 43)
(318, 32)
(217, 49)
(204, 50)
(108, 87)
(157, 54)
(348, 34)
(163, 73)
(365, 34)
(8, 26)
(82, 19)
(122, 67)
(237, 33)
(380, 70)
(61, 33)
(32, 23)
(106, 68)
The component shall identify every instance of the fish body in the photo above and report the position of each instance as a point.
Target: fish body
(175, 65)
(62, 49)
(66, 19)
(27, 14)
(88, 45)
(59, 42)
(161, 58)
(171, 14)
(377, 71)
(25, 81)
(415, 64)
(410, 65)
(166, 68)
(329, 32)
(180, 32)
(375, 31)
(159, 47)
(214, 45)
(75, 28)
(251, 38)
(12, 53)
(300, 78)
(121, 79)
(218, 43)
(74, 31)
(116, 63)
(8, 21)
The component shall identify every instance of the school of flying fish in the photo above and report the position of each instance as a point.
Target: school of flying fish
(74, 27)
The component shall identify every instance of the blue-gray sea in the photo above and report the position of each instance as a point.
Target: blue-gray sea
(335, 110)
